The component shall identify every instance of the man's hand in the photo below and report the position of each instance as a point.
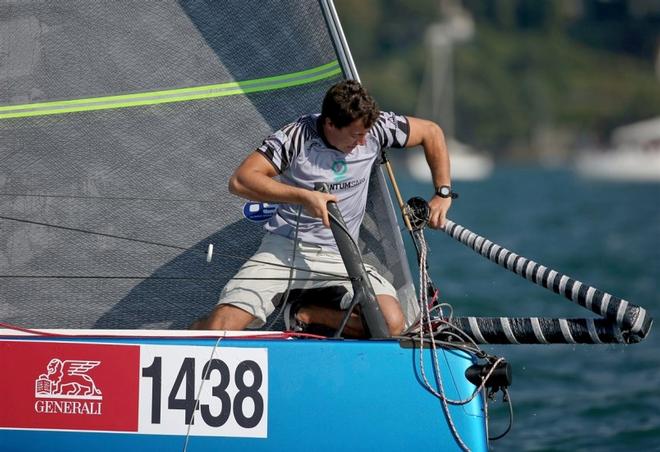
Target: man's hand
(316, 204)
(439, 207)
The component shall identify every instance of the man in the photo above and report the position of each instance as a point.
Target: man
(338, 147)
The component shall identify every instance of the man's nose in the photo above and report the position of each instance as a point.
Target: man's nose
(362, 140)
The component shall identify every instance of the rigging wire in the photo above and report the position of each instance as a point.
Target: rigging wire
(176, 278)
(106, 198)
(165, 245)
(285, 297)
(199, 392)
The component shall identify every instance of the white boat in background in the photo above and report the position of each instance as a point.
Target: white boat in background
(466, 163)
(436, 98)
(626, 164)
(635, 155)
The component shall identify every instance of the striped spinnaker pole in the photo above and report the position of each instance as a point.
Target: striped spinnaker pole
(540, 330)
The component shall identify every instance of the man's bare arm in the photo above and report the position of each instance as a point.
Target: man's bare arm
(430, 136)
(253, 180)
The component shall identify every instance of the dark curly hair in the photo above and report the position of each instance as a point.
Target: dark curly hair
(347, 101)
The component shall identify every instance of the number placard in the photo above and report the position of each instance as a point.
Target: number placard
(233, 400)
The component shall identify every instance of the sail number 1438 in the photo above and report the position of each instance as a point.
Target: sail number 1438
(185, 388)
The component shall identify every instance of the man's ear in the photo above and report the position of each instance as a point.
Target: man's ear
(328, 123)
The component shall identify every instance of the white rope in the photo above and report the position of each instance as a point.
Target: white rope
(199, 393)
(426, 317)
(285, 296)
(426, 320)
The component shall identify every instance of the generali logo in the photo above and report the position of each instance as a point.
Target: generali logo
(67, 388)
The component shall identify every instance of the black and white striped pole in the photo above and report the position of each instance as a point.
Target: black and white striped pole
(538, 330)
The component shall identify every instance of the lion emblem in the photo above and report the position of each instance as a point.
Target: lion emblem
(68, 379)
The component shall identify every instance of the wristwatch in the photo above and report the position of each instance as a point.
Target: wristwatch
(444, 191)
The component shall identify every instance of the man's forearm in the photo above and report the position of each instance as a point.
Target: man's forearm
(437, 157)
(259, 187)
(253, 180)
(429, 135)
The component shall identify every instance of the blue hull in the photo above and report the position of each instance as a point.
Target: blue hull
(314, 395)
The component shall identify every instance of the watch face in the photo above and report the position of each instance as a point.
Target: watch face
(444, 191)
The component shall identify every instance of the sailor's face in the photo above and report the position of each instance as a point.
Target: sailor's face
(349, 137)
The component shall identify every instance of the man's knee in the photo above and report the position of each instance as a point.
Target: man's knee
(391, 309)
(225, 317)
(396, 323)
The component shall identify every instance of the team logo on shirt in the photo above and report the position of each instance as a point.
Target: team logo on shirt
(339, 167)
(345, 185)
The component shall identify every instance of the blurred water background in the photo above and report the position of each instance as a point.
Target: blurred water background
(583, 397)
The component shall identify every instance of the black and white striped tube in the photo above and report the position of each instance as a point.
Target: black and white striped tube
(633, 320)
(534, 330)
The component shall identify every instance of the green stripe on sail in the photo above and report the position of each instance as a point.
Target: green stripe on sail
(173, 95)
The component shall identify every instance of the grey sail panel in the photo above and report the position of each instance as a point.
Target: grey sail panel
(106, 215)
(382, 244)
(68, 50)
(170, 189)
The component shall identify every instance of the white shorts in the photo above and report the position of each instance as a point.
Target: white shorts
(256, 295)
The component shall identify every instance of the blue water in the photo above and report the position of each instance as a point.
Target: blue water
(577, 398)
